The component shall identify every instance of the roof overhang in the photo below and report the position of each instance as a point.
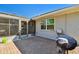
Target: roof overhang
(10, 16)
(59, 12)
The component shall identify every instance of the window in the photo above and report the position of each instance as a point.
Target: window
(47, 24)
(43, 24)
(50, 24)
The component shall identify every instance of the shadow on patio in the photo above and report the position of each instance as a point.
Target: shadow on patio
(36, 45)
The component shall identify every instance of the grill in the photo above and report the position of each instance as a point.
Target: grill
(65, 42)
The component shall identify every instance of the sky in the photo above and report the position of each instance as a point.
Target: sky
(30, 10)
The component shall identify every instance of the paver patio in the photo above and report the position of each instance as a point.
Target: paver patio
(36, 45)
(39, 45)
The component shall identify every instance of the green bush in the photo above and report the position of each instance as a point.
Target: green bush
(4, 40)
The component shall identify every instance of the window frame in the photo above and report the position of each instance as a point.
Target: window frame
(42, 21)
(52, 24)
(46, 28)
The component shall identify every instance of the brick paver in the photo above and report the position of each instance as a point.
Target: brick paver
(39, 45)
(36, 45)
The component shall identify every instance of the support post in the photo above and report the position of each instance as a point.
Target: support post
(19, 29)
(9, 27)
(27, 28)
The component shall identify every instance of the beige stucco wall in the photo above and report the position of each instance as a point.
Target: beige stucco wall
(73, 25)
(60, 22)
(68, 22)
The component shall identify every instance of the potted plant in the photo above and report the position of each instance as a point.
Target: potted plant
(4, 40)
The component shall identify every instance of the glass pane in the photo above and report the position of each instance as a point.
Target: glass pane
(43, 24)
(3, 20)
(14, 21)
(50, 24)
(4, 30)
(13, 29)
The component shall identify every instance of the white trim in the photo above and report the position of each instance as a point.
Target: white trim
(46, 24)
(9, 27)
(27, 27)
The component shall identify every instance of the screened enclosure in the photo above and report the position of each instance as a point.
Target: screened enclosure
(8, 27)
(31, 27)
(23, 27)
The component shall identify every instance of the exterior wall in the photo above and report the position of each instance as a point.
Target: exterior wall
(73, 25)
(68, 22)
(60, 22)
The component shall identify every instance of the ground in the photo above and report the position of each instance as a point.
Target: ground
(33, 45)
(36, 45)
(75, 51)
